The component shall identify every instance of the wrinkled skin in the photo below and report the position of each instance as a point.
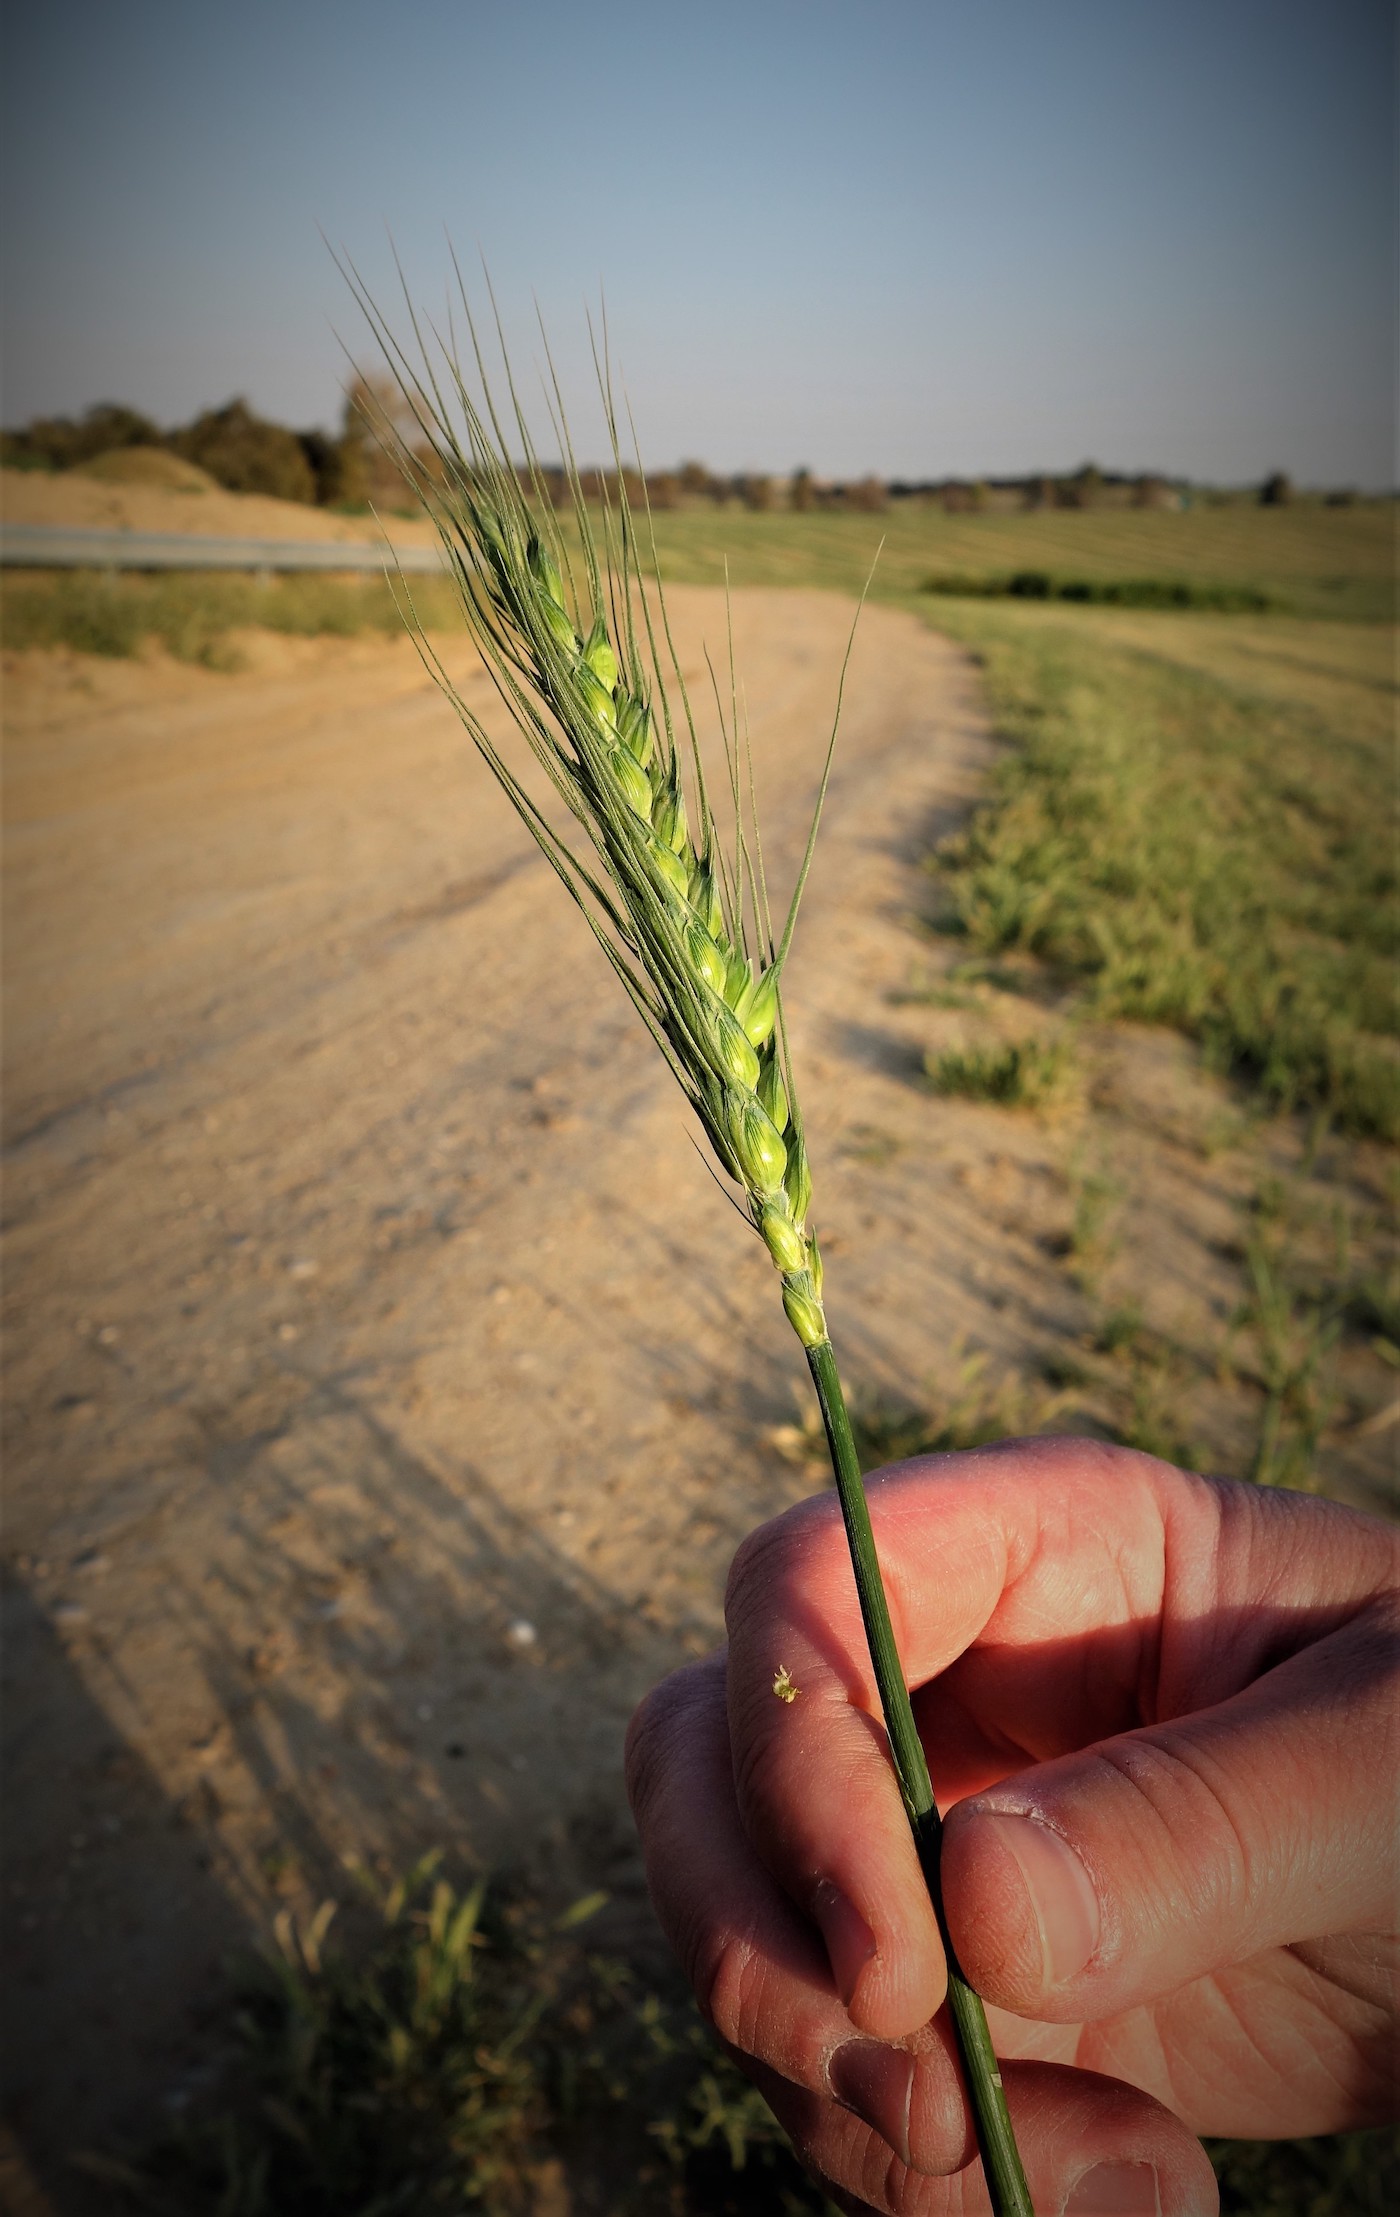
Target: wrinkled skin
(1161, 1713)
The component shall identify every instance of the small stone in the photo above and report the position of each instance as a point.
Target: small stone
(303, 1267)
(69, 1613)
(521, 1633)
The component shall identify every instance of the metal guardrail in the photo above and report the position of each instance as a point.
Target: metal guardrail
(53, 547)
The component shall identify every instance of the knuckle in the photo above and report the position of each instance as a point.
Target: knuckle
(726, 1975)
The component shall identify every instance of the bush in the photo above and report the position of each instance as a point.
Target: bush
(1102, 592)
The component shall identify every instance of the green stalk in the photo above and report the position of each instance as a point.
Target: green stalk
(1006, 2179)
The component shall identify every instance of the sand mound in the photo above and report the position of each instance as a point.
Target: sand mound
(148, 465)
(113, 501)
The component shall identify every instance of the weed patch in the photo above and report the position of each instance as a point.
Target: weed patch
(1027, 1073)
(456, 2055)
(1192, 856)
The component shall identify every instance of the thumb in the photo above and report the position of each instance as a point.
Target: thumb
(1089, 1885)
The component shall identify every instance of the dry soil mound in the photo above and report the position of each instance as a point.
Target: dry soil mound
(149, 465)
(113, 502)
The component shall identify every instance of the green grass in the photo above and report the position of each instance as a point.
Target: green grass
(1190, 852)
(1355, 2175)
(453, 2051)
(1194, 823)
(1306, 559)
(1025, 1073)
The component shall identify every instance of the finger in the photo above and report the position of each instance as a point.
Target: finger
(1090, 2146)
(816, 1792)
(1086, 1886)
(758, 1969)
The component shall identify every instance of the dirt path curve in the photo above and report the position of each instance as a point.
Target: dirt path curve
(387, 1381)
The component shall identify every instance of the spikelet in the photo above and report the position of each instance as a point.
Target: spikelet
(681, 911)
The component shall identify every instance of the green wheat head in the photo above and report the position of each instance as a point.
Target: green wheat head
(577, 649)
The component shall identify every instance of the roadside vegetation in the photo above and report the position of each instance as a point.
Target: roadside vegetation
(1192, 854)
(195, 615)
(463, 2052)
(460, 2050)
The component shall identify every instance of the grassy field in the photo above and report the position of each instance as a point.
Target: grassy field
(1309, 559)
(1194, 847)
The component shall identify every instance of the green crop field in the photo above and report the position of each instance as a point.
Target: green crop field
(1311, 559)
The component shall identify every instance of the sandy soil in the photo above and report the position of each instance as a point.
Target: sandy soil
(388, 1383)
(91, 504)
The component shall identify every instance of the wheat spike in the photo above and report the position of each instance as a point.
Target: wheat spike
(681, 912)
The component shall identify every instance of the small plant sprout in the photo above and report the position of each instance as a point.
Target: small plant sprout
(676, 896)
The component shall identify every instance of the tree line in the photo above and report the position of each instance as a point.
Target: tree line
(350, 469)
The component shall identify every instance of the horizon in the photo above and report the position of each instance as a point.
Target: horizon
(921, 244)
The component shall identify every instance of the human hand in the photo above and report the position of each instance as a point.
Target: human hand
(1164, 1708)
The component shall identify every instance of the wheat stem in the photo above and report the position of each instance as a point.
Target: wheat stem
(1006, 2179)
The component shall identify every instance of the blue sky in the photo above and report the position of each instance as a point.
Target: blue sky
(961, 235)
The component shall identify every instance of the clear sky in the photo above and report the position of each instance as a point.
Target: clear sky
(908, 236)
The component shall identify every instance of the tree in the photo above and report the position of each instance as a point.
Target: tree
(245, 454)
(867, 496)
(65, 442)
(1276, 490)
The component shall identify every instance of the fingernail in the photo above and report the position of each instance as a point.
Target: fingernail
(1061, 1894)
(850, 1943)
(878, 2084)
(1116, 2190)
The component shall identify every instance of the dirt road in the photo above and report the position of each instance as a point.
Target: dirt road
(388, 1382)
